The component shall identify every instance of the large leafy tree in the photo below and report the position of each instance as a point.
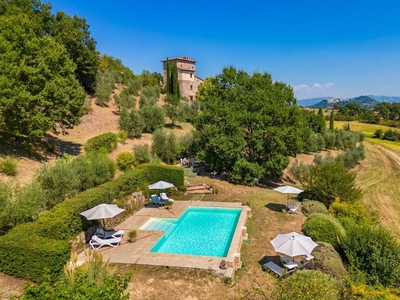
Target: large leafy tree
(38, 87)
(73, 33)
(248, 118)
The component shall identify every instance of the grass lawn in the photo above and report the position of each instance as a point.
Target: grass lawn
(268, 219)
(369, 130)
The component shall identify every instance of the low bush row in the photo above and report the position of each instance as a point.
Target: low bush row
(34, 249)
(370, 252)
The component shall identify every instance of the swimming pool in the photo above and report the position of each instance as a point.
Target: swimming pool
(203, 231)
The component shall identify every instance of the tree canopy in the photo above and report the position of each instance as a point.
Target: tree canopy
(45, 60)
(249, 120)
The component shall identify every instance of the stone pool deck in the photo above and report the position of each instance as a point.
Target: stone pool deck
(138, 252)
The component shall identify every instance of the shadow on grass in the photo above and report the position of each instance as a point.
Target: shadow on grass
(275, 258)
(173, 126)
(61, 146)
(276, 207)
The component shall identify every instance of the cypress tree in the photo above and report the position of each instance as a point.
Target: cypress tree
(176, 82)
(321, 121)
(168, 75)
(331, 122)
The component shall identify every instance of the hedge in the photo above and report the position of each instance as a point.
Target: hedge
(324, 228)
(42, 247)
(24, 254)
(156, 172)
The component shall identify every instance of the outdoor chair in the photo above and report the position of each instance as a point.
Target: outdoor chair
(307, 259)
(293, 206)
(157, 201)
(290, 263)
(271, 266)
(96, 243)
(107, 234)
(164, 197)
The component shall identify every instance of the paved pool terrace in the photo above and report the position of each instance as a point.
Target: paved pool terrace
(138, 252)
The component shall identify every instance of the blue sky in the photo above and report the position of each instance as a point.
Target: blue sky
(320, 48)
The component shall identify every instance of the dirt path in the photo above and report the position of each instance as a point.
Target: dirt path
(378, 176)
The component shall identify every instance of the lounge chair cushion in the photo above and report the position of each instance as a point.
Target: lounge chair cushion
(157, 201)
(105, 234)
(274, 268)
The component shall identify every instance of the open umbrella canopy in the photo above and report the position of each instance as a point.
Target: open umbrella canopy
(287, 189)
(293, 244)
(102, 211)
(160, 185)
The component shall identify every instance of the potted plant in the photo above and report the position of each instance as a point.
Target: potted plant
(168, 204)
(132, 236)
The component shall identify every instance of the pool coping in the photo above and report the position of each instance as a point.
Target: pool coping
(138, 252)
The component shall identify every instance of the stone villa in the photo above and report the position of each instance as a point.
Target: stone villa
(188, 81)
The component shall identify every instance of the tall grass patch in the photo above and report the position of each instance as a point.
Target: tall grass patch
(8, 165)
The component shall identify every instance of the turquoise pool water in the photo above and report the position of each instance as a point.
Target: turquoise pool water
(204, 231)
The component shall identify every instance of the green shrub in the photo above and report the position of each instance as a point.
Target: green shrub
(374, 252)
(356, 212)
(30, 256)
(153, 118)
(315, 143)
(93, 280)
(245, 172)
(309, 285)
(6, 194)
(107, 141)
(327, 182)
(309, 207)
(142, 153)
(131, 122)
(29, 201)
(122, 136)
(124, 100)
(155, 172)
(59, 181)
(164, 146)
(26, 248)
(8, 166)
(188, 145)
(105, 82)
(126, 160)
(93, 169)
(327, 260)
(324, 228)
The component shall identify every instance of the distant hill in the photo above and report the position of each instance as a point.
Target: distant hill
(311, 101)
(381, 98)
(364, 101)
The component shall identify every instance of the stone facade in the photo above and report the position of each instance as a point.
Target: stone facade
(188, 81)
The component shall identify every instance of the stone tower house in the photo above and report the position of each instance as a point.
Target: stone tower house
(188, 81)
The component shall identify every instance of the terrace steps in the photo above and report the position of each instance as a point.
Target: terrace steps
(160, 225)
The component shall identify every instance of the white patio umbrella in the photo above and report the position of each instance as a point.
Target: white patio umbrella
(160, 185)
(293, 244)
(287, 189)
(102, 211)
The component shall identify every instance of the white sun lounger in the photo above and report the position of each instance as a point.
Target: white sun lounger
(294, 206)
(96, 243)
